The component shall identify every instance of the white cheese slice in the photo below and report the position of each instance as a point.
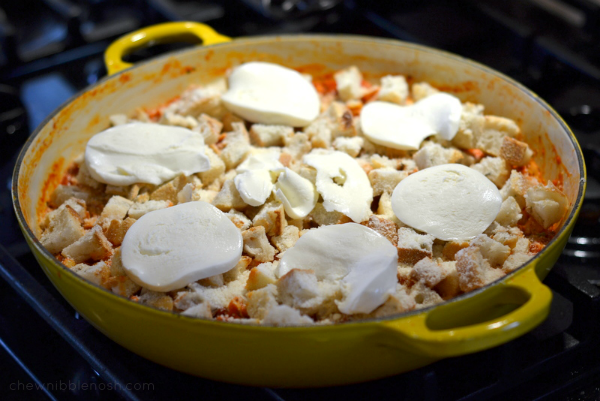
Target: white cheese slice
(364, 261)
(261, 158)
(254, 186)
(450, 201)
(405, 127)
(167, 249)
(342, 183)
(297, 194)
(144, 153)
(268, 93)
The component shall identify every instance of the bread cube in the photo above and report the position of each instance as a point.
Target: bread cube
(494, 130)
(98, 273)
(349, 83)
(547, 204)
(420, 90)
(516, 153)
(261, 301)
(413, 247)
(217, 167)
(385, 227)
(473, 270)
(201, 310)
(156, 299)
(210, 128)
(351, 146)
(264, 135)
(494, 168)
(324, 218)
(229, 198)
(92, 246)
(261, 276)
(256, 244)
(433, 154)
(116, 208)
(137, 210)
(116, 230)
(63, 230)
(510, 212)
(385, 179)
(517, 186)
(297, 145)
(493, 251)
(428, 272)
(63, 193)
(394, 89)
(237, 146)
(287, 239)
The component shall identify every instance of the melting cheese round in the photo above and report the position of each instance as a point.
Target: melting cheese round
(169, 248)
(144, 153)
(405, 127)
(450, 201)
(342, 183)
(271, 94)
(297, 194)
(254, 186)
(364, 260)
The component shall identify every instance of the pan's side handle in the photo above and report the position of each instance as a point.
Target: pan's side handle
(160, 33)
(486, 319)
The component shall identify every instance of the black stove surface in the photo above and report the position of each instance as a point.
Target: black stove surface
(51, 49)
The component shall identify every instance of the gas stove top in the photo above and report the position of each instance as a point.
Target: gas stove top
(51, 49)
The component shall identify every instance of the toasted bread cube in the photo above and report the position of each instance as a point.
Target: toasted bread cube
(449, 287)
(516, 153)
(424, 296)
(205, 195)
(238, 269)
(547, 204)
(433, 154)
(272, 217)
(413, 247)
(201, 310)
(420, 90)
(77, 205)
(319, 133)
(494, 168)
(394, 89)
(470, 127)
(341, 120)
(124, 286)
(351, 146)
(137, 210)
(297, 145)
(116, 230)
(156, 299)
(256, 244)
(287, 239)
(473, 270)
(349, 83)
(116, 208)
(380, 162)
(217, 167)
(210, 128)
(510, 212)
(283, 315)
(385, 227)
(237, 146)
(324, 218)
(264, 135)
(517, 186)
(98, 273)
(261, 276)
(239, 219)
(63, 230)
(63, 193)
(171, 118)
(427, 272)
(92, 246)
(261, 301)
(229, 198)
(385, 179)
(516, 260)
(493, 251)
(451, 247)
(201, 100)
(494, 130)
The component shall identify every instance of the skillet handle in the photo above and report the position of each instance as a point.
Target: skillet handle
(160, 33)
(449, 330)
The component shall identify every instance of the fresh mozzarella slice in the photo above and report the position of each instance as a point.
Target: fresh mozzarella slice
(254, 186)
(268, 93)
(364, 261)
(144, 153)
(405, 127)
(261, 158)
(342, 183)
(450, 201)
(297, 194)
(169, 248)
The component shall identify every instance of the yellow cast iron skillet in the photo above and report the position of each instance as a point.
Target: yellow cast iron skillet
(296, 356)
